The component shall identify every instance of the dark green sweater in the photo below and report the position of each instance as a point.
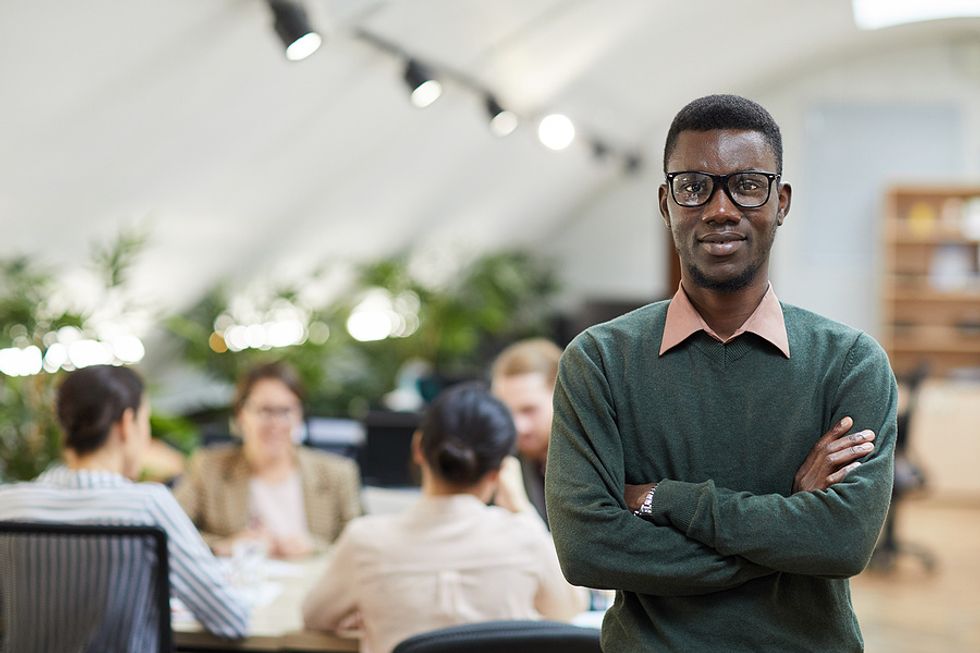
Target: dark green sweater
(733, 561)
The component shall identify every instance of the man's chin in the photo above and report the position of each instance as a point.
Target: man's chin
(724, 283)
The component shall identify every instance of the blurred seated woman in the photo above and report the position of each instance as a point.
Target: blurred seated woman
(268, 490)
(106, 421)
(451, 558)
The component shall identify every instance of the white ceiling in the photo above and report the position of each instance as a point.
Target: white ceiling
(185, 116)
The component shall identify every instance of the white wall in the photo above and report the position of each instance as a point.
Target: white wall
(927, 79)
(615, 247)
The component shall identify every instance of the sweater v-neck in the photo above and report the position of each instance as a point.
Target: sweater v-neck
(722, 353)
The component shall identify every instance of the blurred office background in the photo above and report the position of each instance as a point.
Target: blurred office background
(439, 177)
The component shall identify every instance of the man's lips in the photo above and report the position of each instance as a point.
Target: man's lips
(721, 244)
(721, 237)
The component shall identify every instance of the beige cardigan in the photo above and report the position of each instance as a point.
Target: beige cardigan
(214, 492)
(447, 560)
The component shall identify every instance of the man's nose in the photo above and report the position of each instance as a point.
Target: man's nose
(720, 208)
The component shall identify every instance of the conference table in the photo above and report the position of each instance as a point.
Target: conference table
(276, 590)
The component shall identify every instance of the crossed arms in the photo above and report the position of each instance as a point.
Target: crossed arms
(704, 538)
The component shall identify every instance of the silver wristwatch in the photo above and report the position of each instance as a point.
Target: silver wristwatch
(646, 510)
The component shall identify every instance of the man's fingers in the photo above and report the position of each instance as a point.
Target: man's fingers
(850, 440)
(837, 430)
(839, 475)
(850, 453)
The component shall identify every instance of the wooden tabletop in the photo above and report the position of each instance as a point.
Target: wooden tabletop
(277, 625)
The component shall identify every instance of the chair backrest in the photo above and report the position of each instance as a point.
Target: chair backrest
(80, 587)
(386, 458)
(911, 384)
(505, 636)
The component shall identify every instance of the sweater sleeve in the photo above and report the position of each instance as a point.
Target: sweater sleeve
(600, 543)
(826, 533)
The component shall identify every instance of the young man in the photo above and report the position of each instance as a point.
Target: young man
(687, 470)
(523, 378)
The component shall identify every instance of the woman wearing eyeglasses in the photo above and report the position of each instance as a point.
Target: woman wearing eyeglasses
(267, 491)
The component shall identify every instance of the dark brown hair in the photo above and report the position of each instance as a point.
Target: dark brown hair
(277, 371)
(91, 400)
(466, 433)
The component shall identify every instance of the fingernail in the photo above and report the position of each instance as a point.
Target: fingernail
(865, 447)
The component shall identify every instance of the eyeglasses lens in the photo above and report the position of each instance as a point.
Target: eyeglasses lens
(747, 189)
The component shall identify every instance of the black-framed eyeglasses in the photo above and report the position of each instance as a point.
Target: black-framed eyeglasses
(747, 190)
(270, 413)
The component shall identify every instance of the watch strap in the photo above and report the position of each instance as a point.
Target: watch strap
(646, 507)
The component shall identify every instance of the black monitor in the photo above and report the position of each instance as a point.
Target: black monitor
(386, 458)
(344, 437)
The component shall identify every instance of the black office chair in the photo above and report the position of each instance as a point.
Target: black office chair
(909, 478)
(73, 587)
(505, 637)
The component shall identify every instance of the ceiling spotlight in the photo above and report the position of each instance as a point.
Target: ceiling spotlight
(556, 131)
(425, 88)
(632, 163)
(599, 150)
(293, 28)
(876, 14)
(502, 121)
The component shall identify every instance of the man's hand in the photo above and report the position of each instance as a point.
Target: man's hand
(511, 494)
(833, 457)
(635, 495)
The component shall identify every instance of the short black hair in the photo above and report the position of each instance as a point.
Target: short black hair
(91, 400)
(725, 112)
(466, 432)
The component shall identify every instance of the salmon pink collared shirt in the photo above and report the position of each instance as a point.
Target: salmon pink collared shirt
(683, 321)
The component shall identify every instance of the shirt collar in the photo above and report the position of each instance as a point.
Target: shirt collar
(683, 321)
(462, 502)
(63, 477)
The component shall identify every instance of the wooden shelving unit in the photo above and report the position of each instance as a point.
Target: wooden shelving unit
(931, 283)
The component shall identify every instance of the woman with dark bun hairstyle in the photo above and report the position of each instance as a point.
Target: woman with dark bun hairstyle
(105, 416)
(451, 558)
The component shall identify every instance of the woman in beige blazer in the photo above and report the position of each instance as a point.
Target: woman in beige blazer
(268, 490)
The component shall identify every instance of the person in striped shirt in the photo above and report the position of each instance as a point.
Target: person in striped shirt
(104, 414)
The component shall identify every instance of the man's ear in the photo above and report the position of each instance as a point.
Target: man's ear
(785, 196)
(663, 196)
